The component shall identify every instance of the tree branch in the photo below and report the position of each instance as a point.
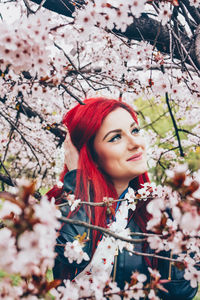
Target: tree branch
(157, 256)
(107, 231)
(175, 126)
(29, 112)
(142, 28)
(7, 180)
(63, 7)
(11, 182)
(99, 204)
(192, 10)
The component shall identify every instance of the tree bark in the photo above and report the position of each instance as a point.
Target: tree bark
(63, 7)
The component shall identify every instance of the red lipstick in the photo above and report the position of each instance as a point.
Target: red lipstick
(136, 156)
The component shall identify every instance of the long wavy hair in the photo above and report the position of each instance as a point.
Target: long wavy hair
(83, 123)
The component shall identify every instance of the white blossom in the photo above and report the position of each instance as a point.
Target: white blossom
(194, 3)
(8, 250)
(130, 196)
(73, 203)
(74, 252)
(165, 12)
(193, 275)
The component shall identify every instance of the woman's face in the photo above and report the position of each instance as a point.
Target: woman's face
(120, 148)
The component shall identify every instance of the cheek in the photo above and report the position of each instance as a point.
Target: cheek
(105, 155)
(142, 142)
(108, 157)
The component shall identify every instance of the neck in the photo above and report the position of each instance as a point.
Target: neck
(120, 187)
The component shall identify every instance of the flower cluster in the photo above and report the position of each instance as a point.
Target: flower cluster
(132, 201)
(24, 46)
(176, 218)
(27, 242)
(105, 13)
(73, 203)
(74, 252)
(46, 64)
(42, 69)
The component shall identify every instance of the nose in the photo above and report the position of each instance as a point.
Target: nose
(133, 142)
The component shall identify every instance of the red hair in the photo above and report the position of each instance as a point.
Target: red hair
(83, 123)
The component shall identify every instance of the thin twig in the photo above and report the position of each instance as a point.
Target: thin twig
(175, 125)
(29, 10)
(41, 4)
(157, 256)
(101, 204)
(105, 230)
(173, 120)
(9, 178)
(32, 148)
(71, 94)
(188, 132)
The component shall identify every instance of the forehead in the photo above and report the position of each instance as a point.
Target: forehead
(120, 118)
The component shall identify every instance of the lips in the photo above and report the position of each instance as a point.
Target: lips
(135, 157)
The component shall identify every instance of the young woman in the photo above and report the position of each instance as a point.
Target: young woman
(106, 154)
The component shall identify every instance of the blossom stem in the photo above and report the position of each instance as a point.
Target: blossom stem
(107, 231)
(104, 203)
(157, 256)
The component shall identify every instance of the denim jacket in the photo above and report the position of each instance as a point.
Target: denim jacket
(178, 287)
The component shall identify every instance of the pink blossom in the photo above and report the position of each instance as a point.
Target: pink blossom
(8, 291)
(194, 3)
(73, 203)
(154, 273)
(84, 286)
(6, 207)
(69, 291)
(155, 242)
(114, 289)
(98, 284)
(130, 196)
(176, 243)
(134, 292)
(164, 13)
(122, 19)
(8, 250)
(193, 275)
(47, 213)
(137, 7)
(74, 252)
(190, 221)
(152, 295)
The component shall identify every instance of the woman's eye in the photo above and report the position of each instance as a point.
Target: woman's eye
(115, 138)
(135, 130)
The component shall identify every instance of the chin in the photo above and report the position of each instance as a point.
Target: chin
(141, 169)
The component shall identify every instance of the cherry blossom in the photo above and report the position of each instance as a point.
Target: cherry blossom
(73, 203)
(69, 291)
(193, 275)
(164, 13)
(130, 196)
(137, 7)
(7, 208)
(194, 3)
(135, 291)
(113, 291)
(156, 242)
(154, 273)
(98, 284)
(8, 250)
(8, 291)
(152, 295)
(83, 286)
(74, 252)
(83, 56)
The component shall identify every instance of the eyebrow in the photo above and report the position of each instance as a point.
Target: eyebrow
(116, 131)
